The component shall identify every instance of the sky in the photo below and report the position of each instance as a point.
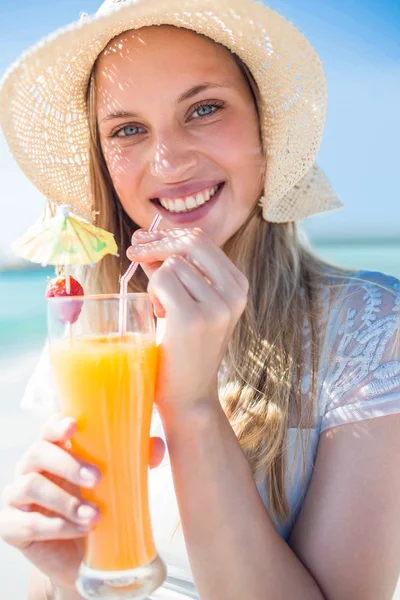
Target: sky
(359, 44)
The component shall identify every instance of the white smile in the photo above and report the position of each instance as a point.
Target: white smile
(188, 203)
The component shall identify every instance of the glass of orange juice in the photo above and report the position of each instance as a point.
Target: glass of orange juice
(106, 382)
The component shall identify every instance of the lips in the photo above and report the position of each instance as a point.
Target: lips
(189, 188)
(192, 216)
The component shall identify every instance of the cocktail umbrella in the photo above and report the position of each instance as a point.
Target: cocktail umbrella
(65, 240)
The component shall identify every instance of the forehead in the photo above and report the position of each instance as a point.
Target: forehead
(163, 51)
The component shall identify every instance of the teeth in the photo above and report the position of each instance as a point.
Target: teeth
(164, 203)
(189, 202)
(179, 205)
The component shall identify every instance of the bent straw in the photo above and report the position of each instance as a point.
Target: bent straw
(124, 284)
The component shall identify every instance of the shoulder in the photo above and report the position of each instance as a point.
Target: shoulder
(361, 298)
(373, 280)
(361, 355)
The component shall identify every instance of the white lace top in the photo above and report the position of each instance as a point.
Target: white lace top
(358, 378)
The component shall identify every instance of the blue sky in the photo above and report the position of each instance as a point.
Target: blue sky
(359, 44)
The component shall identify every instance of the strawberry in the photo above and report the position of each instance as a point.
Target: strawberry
(57, 288)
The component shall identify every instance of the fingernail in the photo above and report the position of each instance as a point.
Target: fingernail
(86, 512)
(136, 248)
(88, 476)
(142, 233)
(65, 423)
(138, 235)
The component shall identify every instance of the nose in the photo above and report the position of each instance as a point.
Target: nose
(173, 159)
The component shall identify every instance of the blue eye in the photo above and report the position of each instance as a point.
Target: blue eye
(204, 110)
(127, 131)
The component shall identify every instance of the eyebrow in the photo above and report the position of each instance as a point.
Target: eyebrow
(193, 91)
(197, 89)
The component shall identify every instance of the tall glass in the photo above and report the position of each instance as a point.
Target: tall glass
(106, 382)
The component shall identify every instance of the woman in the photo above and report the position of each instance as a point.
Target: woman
(277, 364)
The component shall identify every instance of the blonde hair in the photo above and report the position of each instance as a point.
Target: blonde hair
(266, 362)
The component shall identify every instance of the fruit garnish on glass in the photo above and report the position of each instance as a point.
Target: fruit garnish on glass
(57, 287)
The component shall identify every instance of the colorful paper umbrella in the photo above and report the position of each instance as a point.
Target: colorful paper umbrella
(65, 240)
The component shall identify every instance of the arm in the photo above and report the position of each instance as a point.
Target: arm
(346, 542)
(348, 531)
(234, 550)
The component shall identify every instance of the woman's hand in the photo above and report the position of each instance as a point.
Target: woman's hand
(202, 295)
(44, 515)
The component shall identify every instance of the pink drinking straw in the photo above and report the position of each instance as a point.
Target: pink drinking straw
(124, 283)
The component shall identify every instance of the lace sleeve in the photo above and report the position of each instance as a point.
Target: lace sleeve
(362, 378)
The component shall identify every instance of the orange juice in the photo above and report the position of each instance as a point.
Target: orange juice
(107, 385)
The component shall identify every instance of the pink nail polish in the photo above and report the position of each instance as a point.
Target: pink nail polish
(142, 234)
(136, 248)
(86, 513)
(88, 477)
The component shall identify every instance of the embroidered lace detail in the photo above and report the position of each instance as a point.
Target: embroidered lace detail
(378, 388)
(362, 361)
(389, 369)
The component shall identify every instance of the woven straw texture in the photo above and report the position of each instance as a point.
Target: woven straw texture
(43, 109)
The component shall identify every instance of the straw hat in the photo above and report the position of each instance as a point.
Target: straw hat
(43, 109)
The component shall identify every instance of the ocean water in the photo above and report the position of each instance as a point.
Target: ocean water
(22, 311)
(23, 308)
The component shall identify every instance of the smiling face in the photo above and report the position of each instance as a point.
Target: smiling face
(179, 130)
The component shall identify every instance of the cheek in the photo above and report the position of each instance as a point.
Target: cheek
(237, 146)
(121, 166)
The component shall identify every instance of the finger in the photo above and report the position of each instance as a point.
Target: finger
(224, 312)
(149, 267)
(158, 309)
(157, 451)
(48, 457)
(192, 244)
(35, 488)
(58, 428)
(226, 308)
(21, 529)
(199, 288)
(166, 288)
(143, 235)
(169, 239)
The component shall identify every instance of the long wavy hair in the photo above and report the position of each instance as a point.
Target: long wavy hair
(266, 361)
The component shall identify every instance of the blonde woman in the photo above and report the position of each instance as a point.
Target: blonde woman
(280, 380)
